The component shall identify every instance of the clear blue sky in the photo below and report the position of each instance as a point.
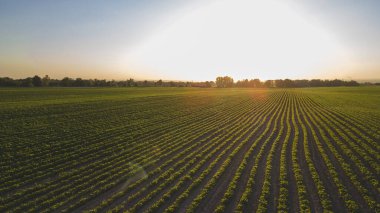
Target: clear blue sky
(190, 40)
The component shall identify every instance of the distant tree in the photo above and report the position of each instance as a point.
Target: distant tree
(279, 83)
(54, 83)
(159, 83)
(253, 83)
(208, 84)
(9, 82)
(288, 83)
(130, 82)
(37, 81)
(242, 83)
(316, 83)
(79, 82)
(66, 82)
(301, 83)
(224, 82)
(46, 81)
(219, 82)
(172, 84)
(256, 83)
(269, 83)
(352, 83)
(113, 83)
(337, 83)
(99, 83)
(27, 82)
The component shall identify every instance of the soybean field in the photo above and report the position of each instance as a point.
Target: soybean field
(190, 150)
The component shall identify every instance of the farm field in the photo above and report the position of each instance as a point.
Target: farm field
(190, 150)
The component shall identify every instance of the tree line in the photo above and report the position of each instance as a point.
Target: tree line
(46, 81)
(221, 82)
(227, 81)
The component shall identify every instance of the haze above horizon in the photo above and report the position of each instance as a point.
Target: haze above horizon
(191, 40)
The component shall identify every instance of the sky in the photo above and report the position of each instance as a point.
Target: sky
(192, 40)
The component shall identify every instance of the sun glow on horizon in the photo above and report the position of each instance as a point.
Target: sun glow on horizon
(243, 39)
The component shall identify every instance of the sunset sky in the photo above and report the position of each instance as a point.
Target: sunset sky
(191, 40)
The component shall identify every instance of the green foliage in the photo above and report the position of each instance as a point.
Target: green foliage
(176, 149)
